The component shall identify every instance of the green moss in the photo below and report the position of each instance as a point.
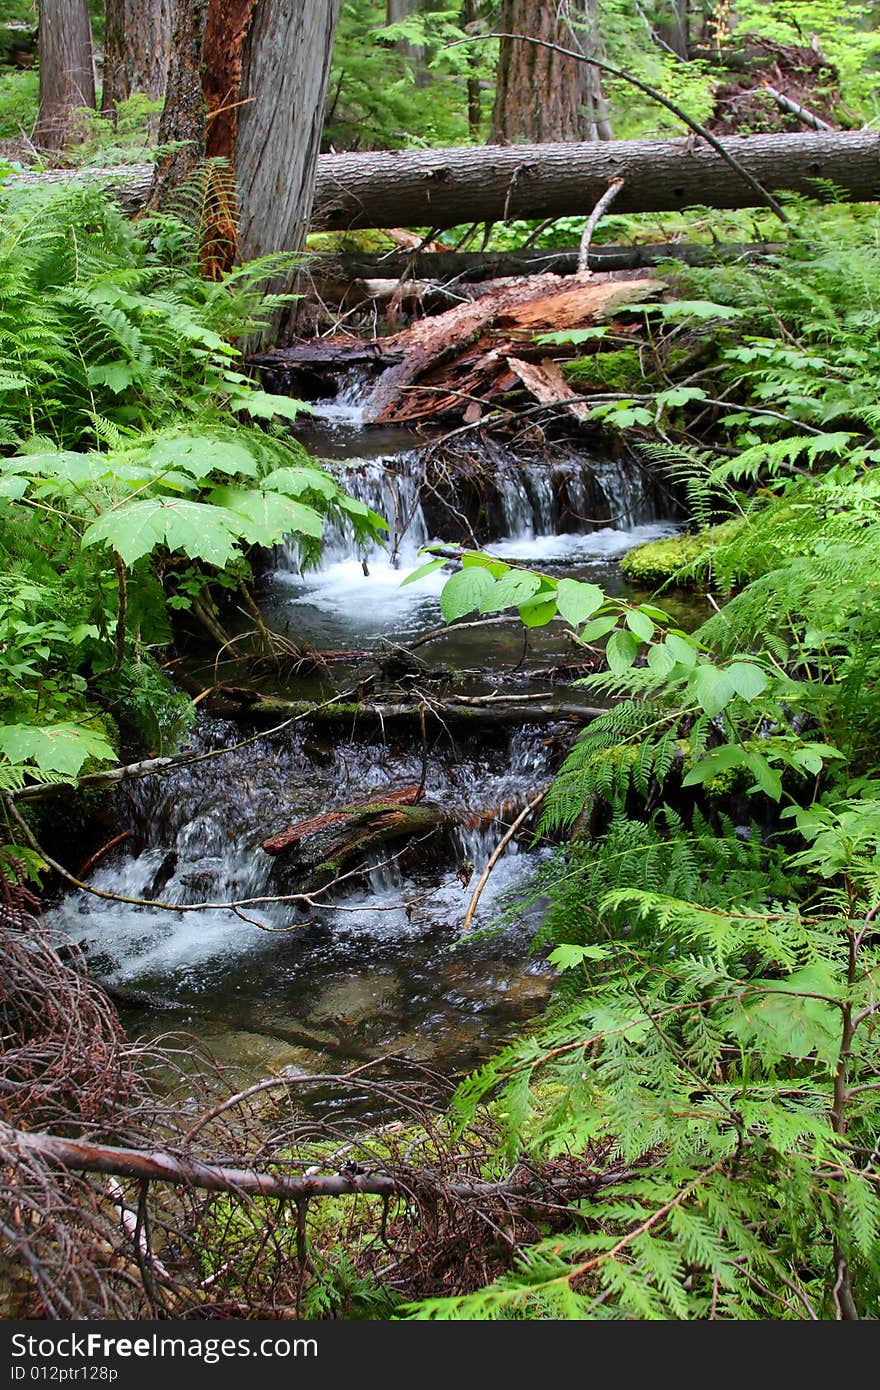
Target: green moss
(608, 371)
(366, 241)
(684, 559)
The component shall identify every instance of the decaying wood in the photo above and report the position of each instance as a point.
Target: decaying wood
(293, 837)
(547, 384)
(463, 352)
(473, 267)
(162, 1166)
(316, 852)
(476, 711)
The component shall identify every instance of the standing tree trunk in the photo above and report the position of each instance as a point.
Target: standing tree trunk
(246, 85)
(67, 70)
(286, 64)
(470, 21)
(137, 48)
(541, 95)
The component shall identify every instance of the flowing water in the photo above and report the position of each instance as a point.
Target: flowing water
(384, 970)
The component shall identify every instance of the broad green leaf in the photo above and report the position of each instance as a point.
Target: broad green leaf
(61, 748)
(464, 592)
(699, 309)
(599, 627)
(684, 651)
(767, 779)
(424, 570)
(640, 624)
(680, 395)
(569, 955)
(263, 405)
(268, 517)
(513, 588)
(621, 651)
(712, 688)
(660, 660)
(201, 455)
(748, 680)
(718, 760)
(571, 335)
(472, 558)
(630, 415)
(200, 530)
(577, 601)
(295, 481)
(658, 614)
(538, 611)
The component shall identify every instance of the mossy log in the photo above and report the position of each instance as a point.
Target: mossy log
(321, 849)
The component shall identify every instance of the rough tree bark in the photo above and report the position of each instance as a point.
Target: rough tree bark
(67, 70)
(445, 187)
(247, 84)
(137, 48)
(539, 94)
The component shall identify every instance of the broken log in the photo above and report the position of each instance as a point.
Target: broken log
(497, 183)
(516, 310)
(320, 850)
(295, 834)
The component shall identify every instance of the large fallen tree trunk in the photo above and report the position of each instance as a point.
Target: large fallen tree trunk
(495, 183)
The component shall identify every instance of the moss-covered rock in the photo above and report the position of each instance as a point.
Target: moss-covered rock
(684, 559)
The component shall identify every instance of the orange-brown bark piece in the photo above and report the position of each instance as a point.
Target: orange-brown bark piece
(302, 830)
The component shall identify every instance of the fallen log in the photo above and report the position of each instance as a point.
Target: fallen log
(478, 710)
(293, 837)
(320, 850)
(497, 183)
(474, 267)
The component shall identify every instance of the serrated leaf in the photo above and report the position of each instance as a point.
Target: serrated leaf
(268, 517)
(464, 592)
(61, 748)
(577, 601)
(712, 688)
(640, 624)
(719, 760)
(621, 651)
(599, 627)
(767, 779)
(683, 651)
(680, 395)
(748, 680)
(539, 611)
(201, 455)
(295, 481)
(569, 955)
(513, 588)
(263, 405)
(200, 530)
(660, 660)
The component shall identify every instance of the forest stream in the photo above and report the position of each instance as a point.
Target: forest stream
(385, 969)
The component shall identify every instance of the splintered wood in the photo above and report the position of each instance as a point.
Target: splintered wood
(464, 360)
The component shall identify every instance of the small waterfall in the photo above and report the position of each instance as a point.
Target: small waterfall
(391, 486)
